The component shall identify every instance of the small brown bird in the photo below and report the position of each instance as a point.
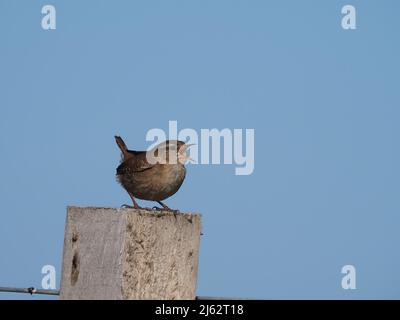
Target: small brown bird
(153, 175)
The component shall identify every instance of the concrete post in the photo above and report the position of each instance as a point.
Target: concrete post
(130, 254)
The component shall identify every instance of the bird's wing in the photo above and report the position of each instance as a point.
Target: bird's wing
(136, 163)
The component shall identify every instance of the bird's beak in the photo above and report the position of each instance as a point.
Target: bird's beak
(183, 150)
(187, 146)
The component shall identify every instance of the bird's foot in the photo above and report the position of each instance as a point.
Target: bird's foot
(166, 208)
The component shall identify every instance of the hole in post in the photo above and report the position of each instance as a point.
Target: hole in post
(75, 268)
(75, 237)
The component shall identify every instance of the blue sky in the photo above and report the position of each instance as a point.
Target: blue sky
(324, 104)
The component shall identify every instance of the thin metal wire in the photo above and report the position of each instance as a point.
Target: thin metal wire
(30, 290)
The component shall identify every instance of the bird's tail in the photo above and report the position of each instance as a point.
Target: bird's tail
(121, 144)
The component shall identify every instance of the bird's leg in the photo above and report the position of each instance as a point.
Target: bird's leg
(135, 205)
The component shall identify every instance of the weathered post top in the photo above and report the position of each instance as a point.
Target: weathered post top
(126, 253)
